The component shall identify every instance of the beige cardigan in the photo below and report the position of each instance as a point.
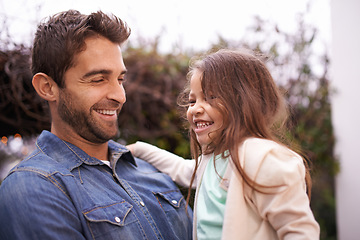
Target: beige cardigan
(283, 212)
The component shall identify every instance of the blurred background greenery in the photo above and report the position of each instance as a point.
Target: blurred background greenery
(154, 82)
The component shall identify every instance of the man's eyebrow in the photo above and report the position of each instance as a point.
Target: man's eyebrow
(96, 72)
(103, 71)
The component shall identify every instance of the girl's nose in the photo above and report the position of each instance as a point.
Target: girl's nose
(197, 109)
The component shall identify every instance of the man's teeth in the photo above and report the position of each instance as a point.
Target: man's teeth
(107, 112)
(202, 124)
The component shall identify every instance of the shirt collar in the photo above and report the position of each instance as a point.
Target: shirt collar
(118, 151)
(72, 156)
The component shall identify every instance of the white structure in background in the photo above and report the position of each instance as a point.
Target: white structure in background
(346, 113)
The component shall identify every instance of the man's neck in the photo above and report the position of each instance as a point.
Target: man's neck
(97, 150)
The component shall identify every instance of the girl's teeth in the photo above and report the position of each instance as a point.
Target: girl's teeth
(201, 125)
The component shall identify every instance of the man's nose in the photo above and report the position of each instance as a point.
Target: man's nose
(117, 92)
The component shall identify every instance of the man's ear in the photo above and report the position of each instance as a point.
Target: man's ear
(45, 87)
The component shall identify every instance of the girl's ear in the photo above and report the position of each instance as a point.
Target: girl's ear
(45, 87)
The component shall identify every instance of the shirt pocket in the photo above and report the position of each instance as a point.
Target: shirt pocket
(174, 206)
(112, 221)
(170, 200)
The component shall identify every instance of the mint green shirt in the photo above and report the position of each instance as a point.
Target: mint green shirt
(211, 200)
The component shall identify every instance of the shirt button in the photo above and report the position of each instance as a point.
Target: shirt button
(117, 219)
(174, 201)
(142, 203)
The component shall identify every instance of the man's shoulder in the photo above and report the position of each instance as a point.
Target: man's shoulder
(143, 165)
(40, 163)
(32, 175)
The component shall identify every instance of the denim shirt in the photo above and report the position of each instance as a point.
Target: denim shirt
(60, 192)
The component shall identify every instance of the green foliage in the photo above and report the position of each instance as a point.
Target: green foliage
(22, 110)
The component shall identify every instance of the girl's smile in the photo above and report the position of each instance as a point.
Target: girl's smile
(202, 126)
(204, 118)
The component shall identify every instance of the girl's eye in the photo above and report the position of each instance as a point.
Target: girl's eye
(211, 97)
(191, 102)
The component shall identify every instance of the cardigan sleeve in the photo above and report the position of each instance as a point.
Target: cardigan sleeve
(179, 169)
(282, 200)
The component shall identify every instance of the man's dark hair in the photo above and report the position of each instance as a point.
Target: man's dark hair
(62, 36)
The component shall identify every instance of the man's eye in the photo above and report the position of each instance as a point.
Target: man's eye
(97, 80)
(192, 102)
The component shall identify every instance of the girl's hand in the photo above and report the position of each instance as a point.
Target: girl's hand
(131, 147)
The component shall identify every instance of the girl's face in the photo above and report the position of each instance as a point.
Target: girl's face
(204, 118)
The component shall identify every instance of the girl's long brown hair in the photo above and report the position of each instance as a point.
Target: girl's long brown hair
(248, 99)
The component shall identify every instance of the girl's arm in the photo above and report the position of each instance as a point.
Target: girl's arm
(285, 205)
(179, 169)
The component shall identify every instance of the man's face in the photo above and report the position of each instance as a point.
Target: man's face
(93, 95)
